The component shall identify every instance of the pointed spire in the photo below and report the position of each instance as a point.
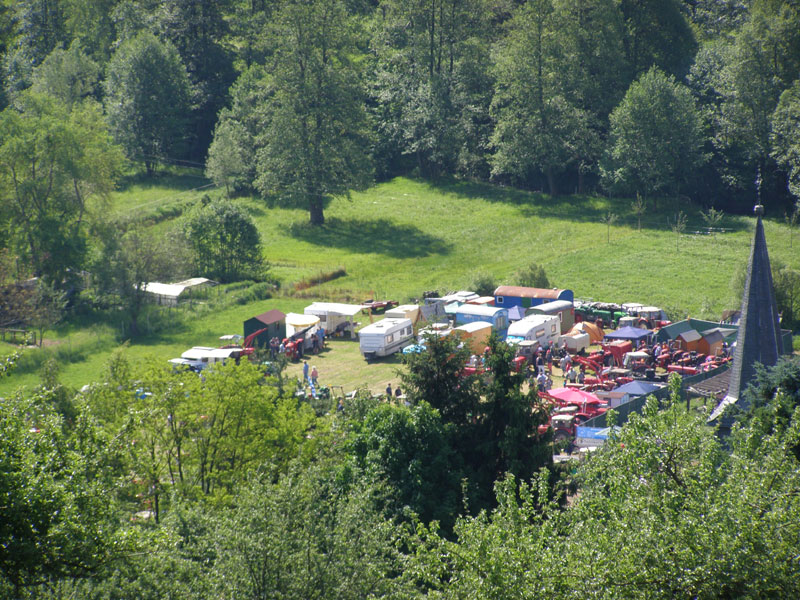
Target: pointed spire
(759, 338)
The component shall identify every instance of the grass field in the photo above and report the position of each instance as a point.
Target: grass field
(403, 237)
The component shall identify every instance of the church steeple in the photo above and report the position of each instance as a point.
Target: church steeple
(759, 338)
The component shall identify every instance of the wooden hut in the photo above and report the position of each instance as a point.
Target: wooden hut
(274, 321)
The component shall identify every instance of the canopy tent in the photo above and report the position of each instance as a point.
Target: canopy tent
(574, 395)
(633, 334)
(638, 388)
(627, 392)
(333, 316)
(296, 322)
(595, 332)
(516, 313)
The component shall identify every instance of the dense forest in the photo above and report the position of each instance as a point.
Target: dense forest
(151, 484)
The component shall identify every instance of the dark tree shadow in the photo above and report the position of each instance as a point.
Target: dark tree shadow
(582, 208)
(371, 237)
(181, 180)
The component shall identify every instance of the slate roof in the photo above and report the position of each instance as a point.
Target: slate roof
(759, 338)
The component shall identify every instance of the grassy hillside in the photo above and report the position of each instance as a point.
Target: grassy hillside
(406, 236)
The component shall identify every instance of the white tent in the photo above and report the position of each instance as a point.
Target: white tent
(296, 322)
(334, 316)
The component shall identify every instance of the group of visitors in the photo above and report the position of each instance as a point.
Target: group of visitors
(296, 348)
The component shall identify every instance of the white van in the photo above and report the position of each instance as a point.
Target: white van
(385, 337)
(538, 328)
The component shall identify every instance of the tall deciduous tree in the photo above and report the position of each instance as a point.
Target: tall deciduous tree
(69, 75)
(126, 259)
(785, 136)
(314, 145)
(197, 29)
(656, 138)
(148, 99)
(432, 84)
(51, 162)
(658, 34)
(538, 130)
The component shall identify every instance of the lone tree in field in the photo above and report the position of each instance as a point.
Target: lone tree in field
(226, 243)
(314, 145)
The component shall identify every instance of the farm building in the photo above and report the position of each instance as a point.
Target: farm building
(711, 330)
(168, 294)
(274, 323)
(513, 295)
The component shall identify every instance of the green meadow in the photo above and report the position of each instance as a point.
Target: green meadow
(406, 236)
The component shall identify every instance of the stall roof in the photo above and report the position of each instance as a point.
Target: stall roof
(332, 308)
(628, 333)
(637, 388)
(515, 313)
(691, 335)
(474, 326)
(527, 292)
(480, 310)
(270, 317)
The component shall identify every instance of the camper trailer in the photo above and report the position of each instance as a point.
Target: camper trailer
(200, 357)
(545, 329)
(497, 316)
(385, 337)
(563, 309)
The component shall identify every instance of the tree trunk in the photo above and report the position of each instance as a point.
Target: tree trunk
(551, 182)
(315, 209)
(581, 180)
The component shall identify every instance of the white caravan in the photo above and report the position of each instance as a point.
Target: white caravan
(385, 337)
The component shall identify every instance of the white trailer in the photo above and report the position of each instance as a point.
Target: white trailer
(385, 337)
(545, 329)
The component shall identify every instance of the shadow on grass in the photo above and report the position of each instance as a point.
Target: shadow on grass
(584, 208)
(180, 180)
(378, 236)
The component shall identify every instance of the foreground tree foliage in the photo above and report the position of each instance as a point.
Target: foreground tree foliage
(308, 535)
(58, 482)
(664, 511)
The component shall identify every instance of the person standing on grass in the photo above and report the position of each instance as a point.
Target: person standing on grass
(314, 375)
(305, 371)
(389, 391)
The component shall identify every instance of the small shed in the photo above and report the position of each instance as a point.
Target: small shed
(514, 295)
(689, 340)
(712, 340)
(274, 321)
